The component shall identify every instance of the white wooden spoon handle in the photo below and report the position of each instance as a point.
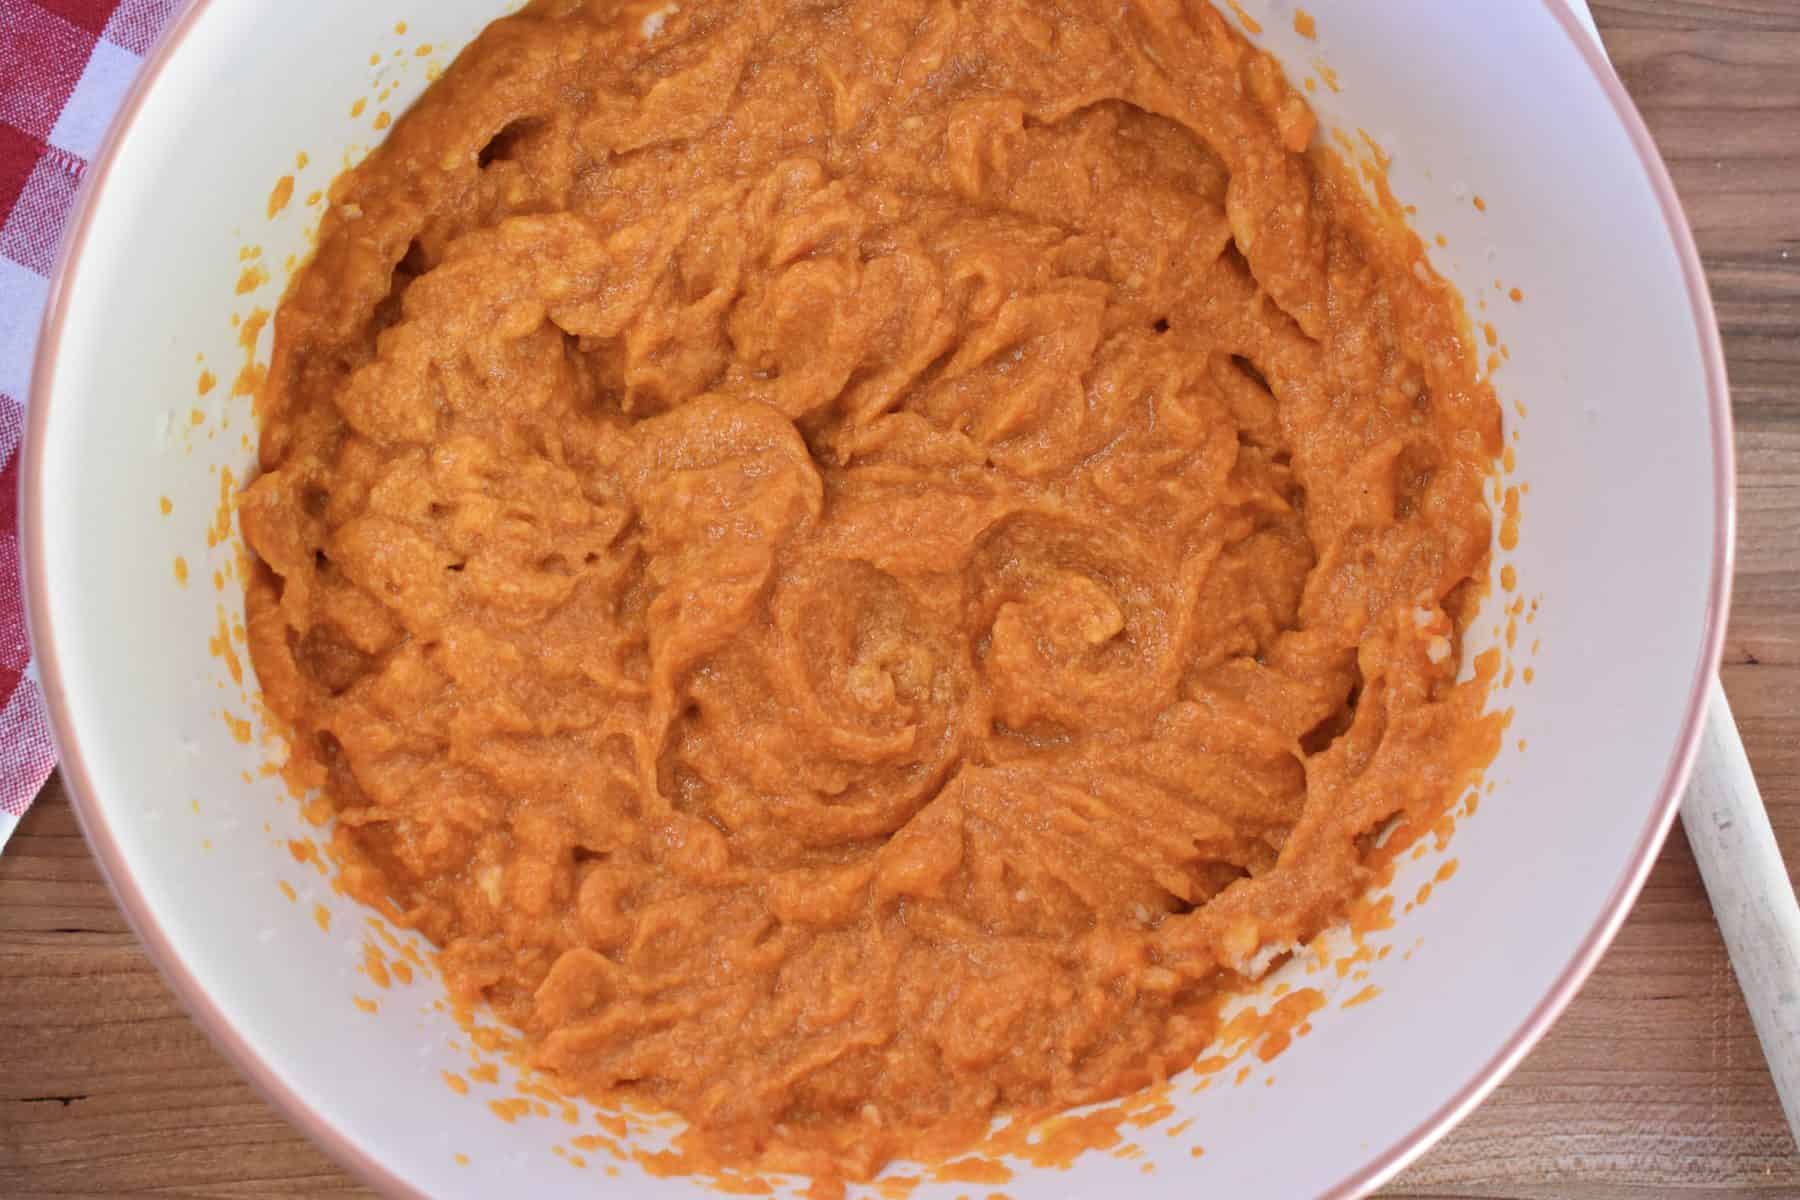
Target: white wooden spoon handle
(1752, 895)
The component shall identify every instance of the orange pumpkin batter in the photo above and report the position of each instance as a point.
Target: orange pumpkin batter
(853, 562)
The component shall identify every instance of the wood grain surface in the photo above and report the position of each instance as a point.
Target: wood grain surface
(1651, 1086)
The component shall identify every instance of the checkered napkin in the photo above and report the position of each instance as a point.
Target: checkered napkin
(64, 68)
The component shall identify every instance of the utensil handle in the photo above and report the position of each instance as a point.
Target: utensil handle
(1752, 895)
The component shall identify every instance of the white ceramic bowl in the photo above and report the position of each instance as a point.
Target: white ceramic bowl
(1626, 541)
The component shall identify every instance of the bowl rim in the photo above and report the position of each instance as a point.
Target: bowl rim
(342, 1145)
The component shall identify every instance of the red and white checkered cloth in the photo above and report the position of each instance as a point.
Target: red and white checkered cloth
(64, 68)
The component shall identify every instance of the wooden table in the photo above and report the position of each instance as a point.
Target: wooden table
(1652, 1085)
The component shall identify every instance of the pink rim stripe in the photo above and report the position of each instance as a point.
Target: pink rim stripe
(343, 1145)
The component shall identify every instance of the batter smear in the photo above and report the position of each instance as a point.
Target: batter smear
(853, 563)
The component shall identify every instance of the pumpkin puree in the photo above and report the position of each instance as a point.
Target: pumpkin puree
(854, 563)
